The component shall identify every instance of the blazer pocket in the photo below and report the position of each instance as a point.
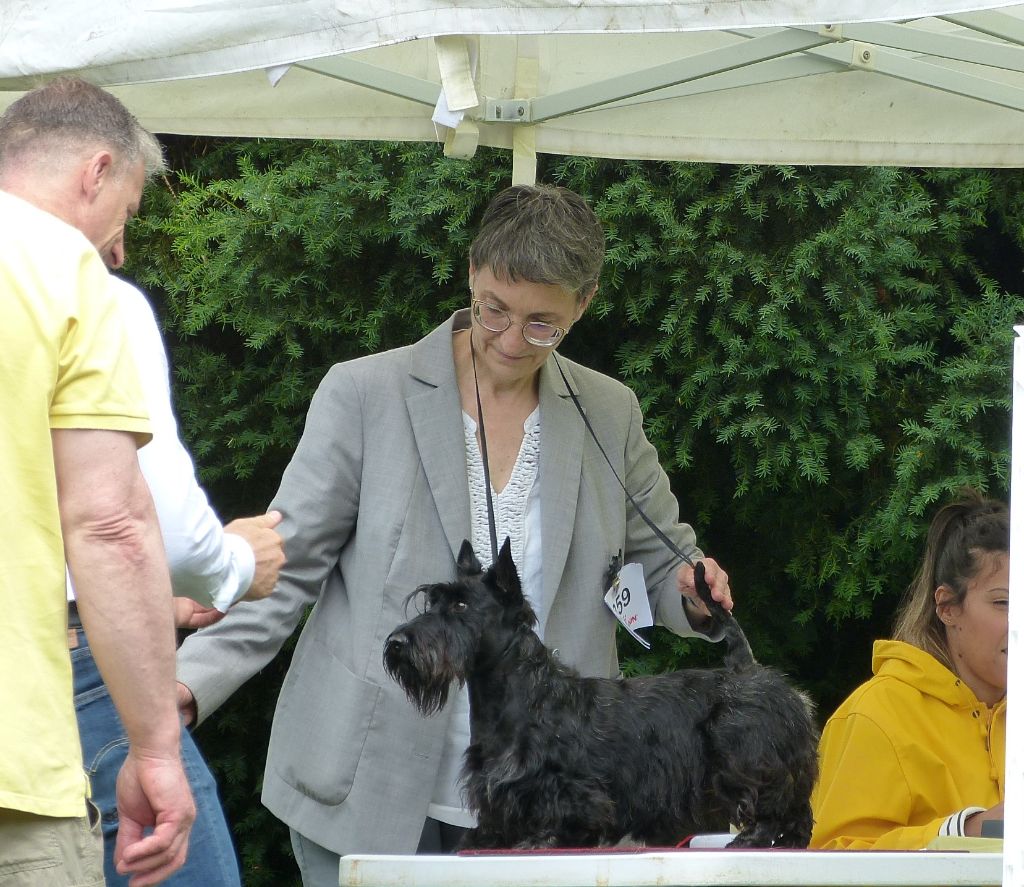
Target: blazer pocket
(320, 728)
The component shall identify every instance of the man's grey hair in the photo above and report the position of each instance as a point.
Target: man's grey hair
(68, 116)
(542, 234)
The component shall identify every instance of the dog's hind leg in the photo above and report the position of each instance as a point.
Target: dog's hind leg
(793, 832)
(763, 760)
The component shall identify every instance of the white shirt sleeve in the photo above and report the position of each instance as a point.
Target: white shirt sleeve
(208, 565)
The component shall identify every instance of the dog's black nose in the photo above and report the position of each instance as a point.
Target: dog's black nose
(395, 652)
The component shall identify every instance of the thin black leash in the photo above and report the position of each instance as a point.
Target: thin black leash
(483, 452)
(579, 408)
(657, 531)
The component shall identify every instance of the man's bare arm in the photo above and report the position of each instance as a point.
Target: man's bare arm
(115, 555)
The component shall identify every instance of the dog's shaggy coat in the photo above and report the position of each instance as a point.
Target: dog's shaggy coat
(559, 760)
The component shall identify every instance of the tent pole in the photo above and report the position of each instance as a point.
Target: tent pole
(524, 138)
(1013, 822)
(524, 156)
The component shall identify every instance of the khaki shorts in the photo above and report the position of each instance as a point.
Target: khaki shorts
(45, 851)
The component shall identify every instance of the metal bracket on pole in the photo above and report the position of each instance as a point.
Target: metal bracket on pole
(863, 56)
(507, 111)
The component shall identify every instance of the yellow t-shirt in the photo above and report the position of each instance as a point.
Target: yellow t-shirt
(64, 363)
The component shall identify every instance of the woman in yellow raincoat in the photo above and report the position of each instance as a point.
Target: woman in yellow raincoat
(918, 750)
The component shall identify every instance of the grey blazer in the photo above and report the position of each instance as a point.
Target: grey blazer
(375, 503)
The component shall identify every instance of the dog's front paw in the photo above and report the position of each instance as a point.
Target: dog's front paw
(539, 842)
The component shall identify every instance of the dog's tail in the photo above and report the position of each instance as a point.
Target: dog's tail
(738, 654)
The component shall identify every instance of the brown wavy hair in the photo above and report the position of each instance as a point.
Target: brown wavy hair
(961, 534)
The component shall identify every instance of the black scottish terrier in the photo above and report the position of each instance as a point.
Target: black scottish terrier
(559, 760)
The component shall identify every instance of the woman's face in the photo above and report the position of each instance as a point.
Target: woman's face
(509, 358)
(977, 629)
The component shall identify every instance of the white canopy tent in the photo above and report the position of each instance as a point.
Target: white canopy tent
(908, 82)
(915, 82)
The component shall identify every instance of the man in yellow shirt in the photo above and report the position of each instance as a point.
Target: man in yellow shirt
(72, 417)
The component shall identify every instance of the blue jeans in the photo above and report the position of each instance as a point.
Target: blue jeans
(211, 855)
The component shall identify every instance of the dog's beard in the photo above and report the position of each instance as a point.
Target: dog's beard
(424, 672)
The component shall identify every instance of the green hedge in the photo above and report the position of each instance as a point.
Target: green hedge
(822, 355)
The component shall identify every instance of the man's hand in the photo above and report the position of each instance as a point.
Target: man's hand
(152, 793)
(187, 707)
(268, 547)
(718, 582)
(188, 614)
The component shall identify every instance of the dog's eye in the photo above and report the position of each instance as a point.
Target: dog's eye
(459, 607)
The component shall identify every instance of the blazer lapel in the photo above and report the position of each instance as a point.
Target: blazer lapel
(435, 411)
(562, 436)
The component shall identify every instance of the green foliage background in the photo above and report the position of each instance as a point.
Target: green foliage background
(822, 356)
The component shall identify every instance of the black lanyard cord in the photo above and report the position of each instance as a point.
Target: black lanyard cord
(657, 532)
(579, 408)
(483, 452)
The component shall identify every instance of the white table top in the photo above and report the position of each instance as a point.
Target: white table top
(677, 868)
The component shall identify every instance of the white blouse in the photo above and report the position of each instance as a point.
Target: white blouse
(517, 516)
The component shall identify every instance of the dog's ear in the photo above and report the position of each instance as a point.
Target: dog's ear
(505, 572)
(518, 612)
(467, 562)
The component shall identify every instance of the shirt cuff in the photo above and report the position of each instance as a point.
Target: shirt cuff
(243, 560)
(674, 614)
(953, 825)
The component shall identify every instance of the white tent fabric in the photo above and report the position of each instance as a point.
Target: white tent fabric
(164, 39)
(910, 82)
(759, 81)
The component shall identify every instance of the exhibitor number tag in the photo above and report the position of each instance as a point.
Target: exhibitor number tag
(628, 601)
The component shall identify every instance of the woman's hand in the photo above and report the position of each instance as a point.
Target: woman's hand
(718, 582)
(972, 825)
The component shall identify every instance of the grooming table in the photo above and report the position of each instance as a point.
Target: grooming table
(676, 868)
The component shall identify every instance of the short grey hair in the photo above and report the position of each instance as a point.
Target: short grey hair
(69, 115)
(542, 234)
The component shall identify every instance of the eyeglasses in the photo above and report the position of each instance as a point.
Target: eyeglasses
(497, 320)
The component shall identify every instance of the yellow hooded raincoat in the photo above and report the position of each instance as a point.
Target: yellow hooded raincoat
(907, 756)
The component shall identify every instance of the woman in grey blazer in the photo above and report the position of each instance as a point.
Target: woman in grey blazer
(384, 486)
